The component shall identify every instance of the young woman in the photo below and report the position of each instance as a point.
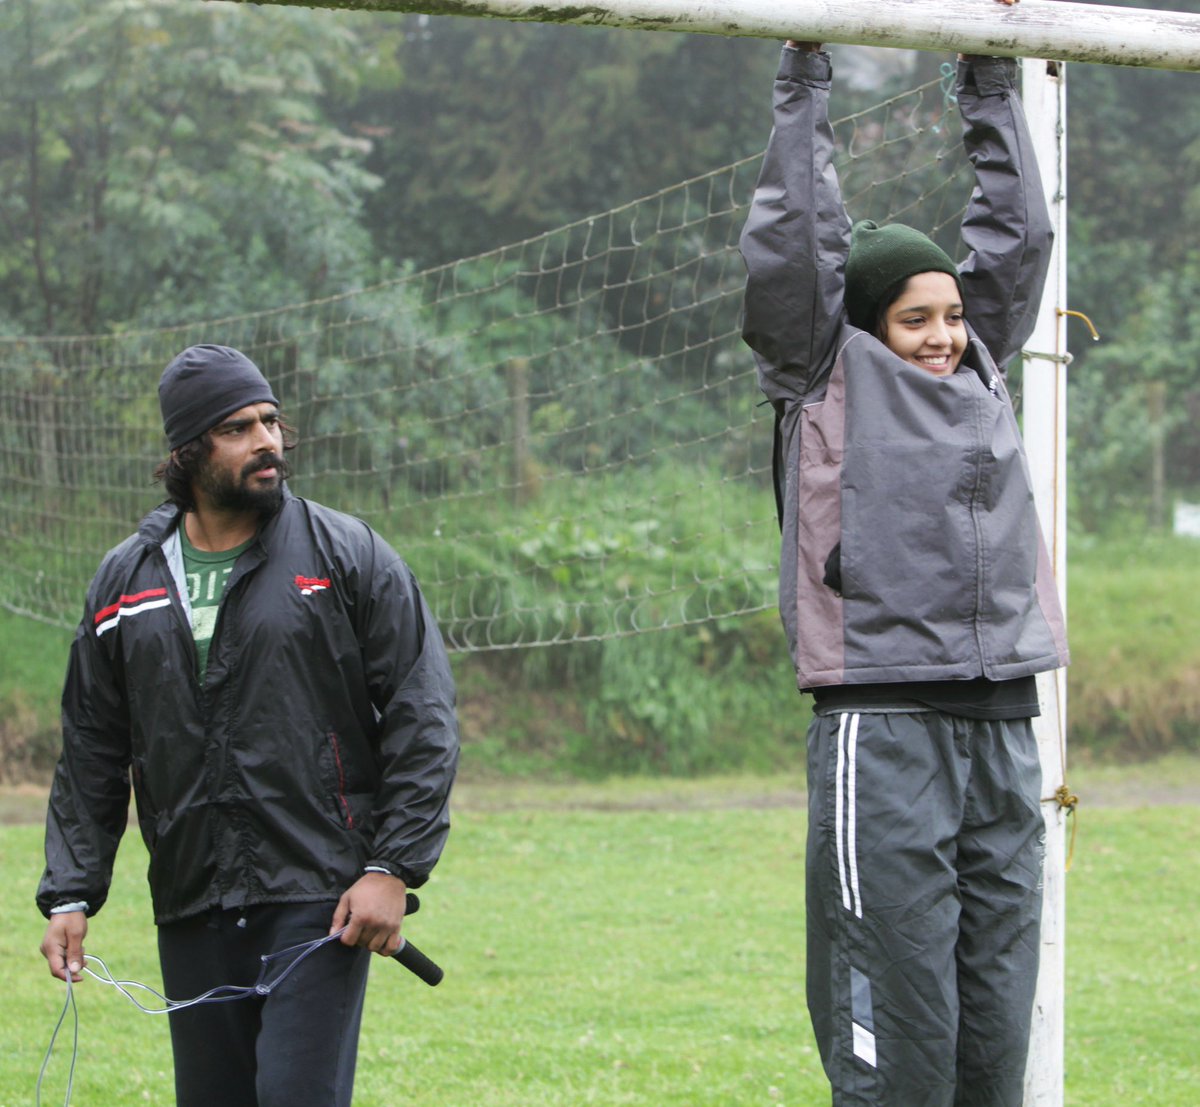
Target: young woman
(916, 595)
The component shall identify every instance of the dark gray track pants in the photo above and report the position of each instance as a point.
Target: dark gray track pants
(295, 1048)
(924, 894)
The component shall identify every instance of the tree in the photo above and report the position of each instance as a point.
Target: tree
(501, 130)
(1134, 213)
(162, 160)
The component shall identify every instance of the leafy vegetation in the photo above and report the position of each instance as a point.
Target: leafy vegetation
(1134, 208)
(155, 156)
(163, 162)
(719, 696)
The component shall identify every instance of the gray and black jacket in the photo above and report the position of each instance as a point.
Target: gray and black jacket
(322, 740)
(911, 549)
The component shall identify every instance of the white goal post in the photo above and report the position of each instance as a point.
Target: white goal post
(1044, 418)
(1096, 33)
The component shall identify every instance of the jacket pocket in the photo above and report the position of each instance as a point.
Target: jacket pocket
(338, 774)
(833, 570)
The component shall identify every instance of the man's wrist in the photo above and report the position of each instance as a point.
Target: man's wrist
(386, 870)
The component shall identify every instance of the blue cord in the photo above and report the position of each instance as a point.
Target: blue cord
(223, 993)
(69, 1005)
(949, 96)
(949, 75)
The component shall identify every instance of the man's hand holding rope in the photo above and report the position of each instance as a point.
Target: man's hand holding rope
(62, 944)
(371, 910)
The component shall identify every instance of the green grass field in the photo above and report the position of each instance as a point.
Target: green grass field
(641, 943)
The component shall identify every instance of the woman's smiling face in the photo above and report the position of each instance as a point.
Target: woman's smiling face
(925, 325)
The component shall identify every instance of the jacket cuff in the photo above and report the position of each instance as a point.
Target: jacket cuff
(987, 76)
(410, 878)
(804, 65)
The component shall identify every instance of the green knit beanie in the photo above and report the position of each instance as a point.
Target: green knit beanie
(882, 257)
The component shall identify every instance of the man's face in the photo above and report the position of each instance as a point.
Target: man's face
(245, 470)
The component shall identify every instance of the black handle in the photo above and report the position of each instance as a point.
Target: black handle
(412, 958)
(416, 962)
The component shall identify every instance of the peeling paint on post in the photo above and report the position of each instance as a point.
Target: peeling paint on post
(1094, 33)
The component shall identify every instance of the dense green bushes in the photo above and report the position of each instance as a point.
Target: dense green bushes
(708, 698)
(719, 695)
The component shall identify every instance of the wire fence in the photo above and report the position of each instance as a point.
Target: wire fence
(563, 437)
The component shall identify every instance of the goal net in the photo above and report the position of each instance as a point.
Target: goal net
(563, 437)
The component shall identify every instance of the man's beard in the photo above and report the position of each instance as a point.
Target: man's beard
(225, 493)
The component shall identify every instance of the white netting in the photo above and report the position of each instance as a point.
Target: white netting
(563, 437)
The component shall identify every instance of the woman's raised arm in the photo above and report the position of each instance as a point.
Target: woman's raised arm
(797, 234)
(1007, 226)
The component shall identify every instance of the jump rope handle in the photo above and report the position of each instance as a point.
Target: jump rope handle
(412, 958)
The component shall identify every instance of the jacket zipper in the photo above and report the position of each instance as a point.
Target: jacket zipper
(978, 615)
(347, 814)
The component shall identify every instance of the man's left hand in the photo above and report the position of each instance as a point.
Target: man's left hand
(371, 910)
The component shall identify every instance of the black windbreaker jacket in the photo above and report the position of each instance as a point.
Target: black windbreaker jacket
(322, 740)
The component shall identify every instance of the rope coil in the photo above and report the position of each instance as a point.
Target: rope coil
(223, 993)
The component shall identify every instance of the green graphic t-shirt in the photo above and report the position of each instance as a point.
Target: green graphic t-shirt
(206, 576)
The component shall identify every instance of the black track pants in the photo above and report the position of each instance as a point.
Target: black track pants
(924, 893)
(295, 1048)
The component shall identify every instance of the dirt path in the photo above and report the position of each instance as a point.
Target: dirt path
(1170, 782)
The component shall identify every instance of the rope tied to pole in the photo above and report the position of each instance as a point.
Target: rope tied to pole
(1067, 801)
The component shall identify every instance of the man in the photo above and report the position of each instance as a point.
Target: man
(267, 672)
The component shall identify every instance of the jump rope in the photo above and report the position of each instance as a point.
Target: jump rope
(408, 955)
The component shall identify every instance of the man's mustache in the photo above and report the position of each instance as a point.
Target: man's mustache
(267, 461)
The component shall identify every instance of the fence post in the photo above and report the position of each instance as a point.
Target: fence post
(518, 392)
(44, 402)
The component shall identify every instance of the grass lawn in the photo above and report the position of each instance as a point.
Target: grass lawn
(637, 943)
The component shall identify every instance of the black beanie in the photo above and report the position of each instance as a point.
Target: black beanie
(203, 385)
(882, 257)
